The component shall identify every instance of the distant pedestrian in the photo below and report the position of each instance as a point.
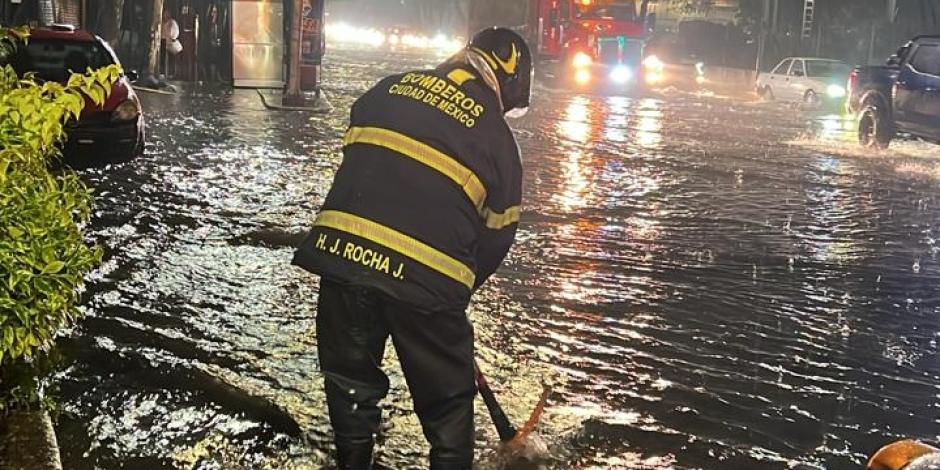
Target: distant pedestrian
(211, 34)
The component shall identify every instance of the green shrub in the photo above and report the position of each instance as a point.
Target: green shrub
(43, 254)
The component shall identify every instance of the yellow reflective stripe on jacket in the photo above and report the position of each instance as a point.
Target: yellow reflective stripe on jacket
(496, 220)
(395, 240)
(423, 153)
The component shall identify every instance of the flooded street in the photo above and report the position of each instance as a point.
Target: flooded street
(706, 282)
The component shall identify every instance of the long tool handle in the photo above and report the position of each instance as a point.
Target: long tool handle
(504, 428)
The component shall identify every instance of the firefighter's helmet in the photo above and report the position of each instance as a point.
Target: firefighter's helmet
(511, 61)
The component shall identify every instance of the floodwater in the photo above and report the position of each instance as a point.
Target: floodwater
(706, 283)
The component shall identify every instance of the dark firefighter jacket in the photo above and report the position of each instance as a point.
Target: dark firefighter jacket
(425, 204)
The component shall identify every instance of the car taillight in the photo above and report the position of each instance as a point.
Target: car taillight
(850, 86)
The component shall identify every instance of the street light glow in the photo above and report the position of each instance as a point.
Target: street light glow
(348, 34)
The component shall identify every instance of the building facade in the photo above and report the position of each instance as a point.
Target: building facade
(670, 13)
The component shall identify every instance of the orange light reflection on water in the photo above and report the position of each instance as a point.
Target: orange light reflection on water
(650, 124)
(576, 126)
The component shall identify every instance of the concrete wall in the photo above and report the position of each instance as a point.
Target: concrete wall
(668, 15)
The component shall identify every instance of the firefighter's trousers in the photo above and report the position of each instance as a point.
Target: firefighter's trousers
(436, 355)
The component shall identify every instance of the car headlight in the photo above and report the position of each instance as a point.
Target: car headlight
(653, 64)
(582, 60)
(835, 91)
(128, 110)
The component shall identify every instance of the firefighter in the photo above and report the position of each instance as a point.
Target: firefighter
(423, 209)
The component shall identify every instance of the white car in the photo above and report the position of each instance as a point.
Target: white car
(808, 80)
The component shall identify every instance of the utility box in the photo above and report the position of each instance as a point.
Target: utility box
(312, 45)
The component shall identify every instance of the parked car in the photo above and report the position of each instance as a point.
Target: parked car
(809, 80)
(902, 96)
(113, 131)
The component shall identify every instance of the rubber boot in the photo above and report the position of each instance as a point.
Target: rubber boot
(354, 456)
(451, 464)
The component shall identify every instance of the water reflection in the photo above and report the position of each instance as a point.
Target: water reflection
(618, 116)
(837, 127)
(576, 170)
(650, 124)
(577, 121)
(833, 210)
(577, 177)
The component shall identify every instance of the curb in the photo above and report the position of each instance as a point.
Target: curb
(28, 442)
(153, 90)
(321, 105)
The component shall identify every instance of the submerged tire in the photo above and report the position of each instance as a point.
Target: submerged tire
(875, 129)
(766, 93)
(811, 99)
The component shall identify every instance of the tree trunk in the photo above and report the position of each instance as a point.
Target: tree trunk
(293, 93)
(153, 53)
(117, 10)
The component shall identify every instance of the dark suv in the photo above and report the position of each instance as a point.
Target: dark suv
(901, 96)
(113, 131)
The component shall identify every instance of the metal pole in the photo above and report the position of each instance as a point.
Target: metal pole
(762, 37)
(776, 15)
(153, 51)
(819, 33)
(292, 93)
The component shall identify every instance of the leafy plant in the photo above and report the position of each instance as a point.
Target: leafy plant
(24, 384)
(43, 254)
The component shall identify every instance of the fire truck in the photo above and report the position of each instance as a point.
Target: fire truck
(595, 42)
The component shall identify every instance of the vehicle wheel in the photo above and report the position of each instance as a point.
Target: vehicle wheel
(766, 93)
(810, 98)
(875, 129)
